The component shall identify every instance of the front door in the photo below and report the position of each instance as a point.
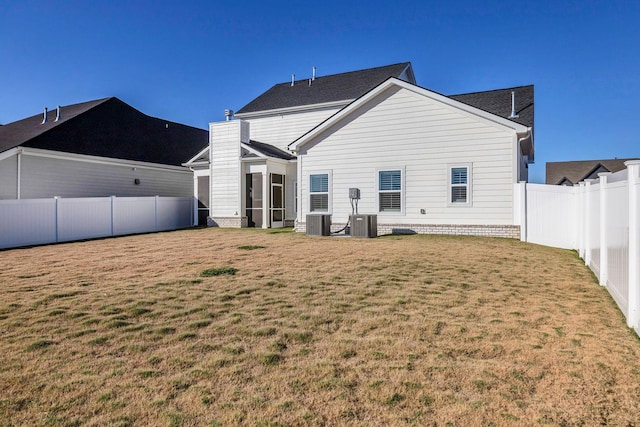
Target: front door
(277, 201)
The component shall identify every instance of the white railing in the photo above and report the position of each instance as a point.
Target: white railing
(600, 219)
(29, 222)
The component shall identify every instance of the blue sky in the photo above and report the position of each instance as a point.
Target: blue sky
(187, 61)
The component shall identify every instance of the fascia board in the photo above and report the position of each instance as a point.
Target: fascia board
(9, 153)
(253, 151)
(340, 115)
(192, 160)
(100, 160)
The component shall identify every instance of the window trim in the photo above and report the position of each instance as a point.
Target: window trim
(468, 185)
(329, 191)
(402, 189)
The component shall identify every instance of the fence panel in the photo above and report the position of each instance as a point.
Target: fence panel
(84, 218)
(27, 222)
(551, 215)
(593, 227)
(134, 215)
(617, 231)
(174, 213)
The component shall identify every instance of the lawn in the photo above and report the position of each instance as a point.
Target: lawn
(219, 327)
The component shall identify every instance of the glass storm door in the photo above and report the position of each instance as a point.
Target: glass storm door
(277, 201)
(254, 200)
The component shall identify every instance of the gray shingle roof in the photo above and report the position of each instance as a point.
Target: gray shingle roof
(107, 128)
(498, 102)
(270, 151)
(576, 171)
(325, 89)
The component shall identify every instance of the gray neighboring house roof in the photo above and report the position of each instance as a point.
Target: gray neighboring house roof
(570, 173)
(108, 128)
(326, 89)
(498, 102)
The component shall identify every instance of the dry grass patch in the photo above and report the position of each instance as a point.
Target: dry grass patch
(401, 330)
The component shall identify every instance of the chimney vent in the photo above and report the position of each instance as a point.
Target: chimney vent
(513, 106)
(228, 114)
(44, 119)
(313, 74)
(58, 113)
(293, 79)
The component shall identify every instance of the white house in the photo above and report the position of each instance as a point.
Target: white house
(423, 162)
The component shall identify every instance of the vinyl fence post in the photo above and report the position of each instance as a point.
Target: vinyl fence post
(633, 173)
(604, 245)
(113, 202)
(582, 218)
(156, 213)
(57, 199)
(587, 222)
(523, 210)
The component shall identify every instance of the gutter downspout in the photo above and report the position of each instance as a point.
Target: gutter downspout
(524, 138)
(18, 189)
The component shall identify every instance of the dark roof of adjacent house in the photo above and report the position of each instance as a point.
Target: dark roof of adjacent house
(326, 89)
(563, 173)
(498, 102)
(106, 127)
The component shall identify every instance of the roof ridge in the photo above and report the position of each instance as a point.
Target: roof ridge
(345, 73)
(491, 90)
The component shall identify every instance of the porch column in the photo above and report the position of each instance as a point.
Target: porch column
(266, 199)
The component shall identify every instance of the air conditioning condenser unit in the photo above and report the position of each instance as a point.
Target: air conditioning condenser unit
(364, 225)
(318, 225)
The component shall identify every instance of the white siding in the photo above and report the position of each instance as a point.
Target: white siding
(8, 177)
(226, 179)
(43, 177)
(281, 130)
(400, 128)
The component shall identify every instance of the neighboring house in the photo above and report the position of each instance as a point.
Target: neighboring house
(571, 173)
(95, 149)
(423, 162)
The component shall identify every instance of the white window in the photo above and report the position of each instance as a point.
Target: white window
(459, 191)
(390, 188)
(319, 185)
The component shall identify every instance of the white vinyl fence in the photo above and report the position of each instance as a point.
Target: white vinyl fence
(28, 222)
(600, 219)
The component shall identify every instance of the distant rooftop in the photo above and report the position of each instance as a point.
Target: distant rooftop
(570, 173)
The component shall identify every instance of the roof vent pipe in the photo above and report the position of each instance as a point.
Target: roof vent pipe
(293, 79)
(513, 106)
(313, 74)
(44, 118)
(58, 113)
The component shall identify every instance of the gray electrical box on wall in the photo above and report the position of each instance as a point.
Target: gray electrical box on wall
(354, 193)
(364, 225)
